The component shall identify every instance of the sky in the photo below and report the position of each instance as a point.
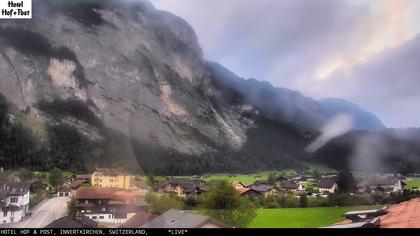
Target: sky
(364, 51)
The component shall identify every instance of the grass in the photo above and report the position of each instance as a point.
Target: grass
(245, 178)
(322, 168)
(412, 183)
(302, 217)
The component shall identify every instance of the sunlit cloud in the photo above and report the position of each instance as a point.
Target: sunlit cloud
(323, 48)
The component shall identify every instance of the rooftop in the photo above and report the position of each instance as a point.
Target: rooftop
(106, 193)
(403, 215)
(138, 220)
(181, 219)
(112, 171)
(14, 188)
(326, 182)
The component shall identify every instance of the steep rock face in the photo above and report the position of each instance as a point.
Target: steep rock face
(140, 70)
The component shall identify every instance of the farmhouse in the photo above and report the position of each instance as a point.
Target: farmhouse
(106, 205)
(111, 178)
(14, 200)
(77, 183)
(375, 183)
(328, 184)
(183, 219)
(302, 179)
(183, 187)
(289, 185)
(249, 192)
(238, 185)
(266, 190)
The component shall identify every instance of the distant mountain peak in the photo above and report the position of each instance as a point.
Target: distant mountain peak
(362, 119)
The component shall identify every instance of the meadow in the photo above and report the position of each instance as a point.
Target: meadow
(412, 183)
(302, 217)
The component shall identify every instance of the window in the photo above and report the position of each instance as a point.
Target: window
(86, 201)
(109, 216)
(4, 213)
(111, 180)
(101, 217)
(14, 200)
(103, 209)
(94, 217)
(99, 201)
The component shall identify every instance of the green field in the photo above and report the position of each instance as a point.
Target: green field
(245, 178)
(412, 183)
(301, 217)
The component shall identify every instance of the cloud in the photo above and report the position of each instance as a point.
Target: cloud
(336, 126)
(310, 46)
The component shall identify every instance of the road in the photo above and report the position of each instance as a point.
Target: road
(50, 210)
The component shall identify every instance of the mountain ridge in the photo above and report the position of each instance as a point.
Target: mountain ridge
(100, 67)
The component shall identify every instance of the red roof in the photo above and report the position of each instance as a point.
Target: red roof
(138, 220)
(403, 215)
(77, 182)
(95, 193)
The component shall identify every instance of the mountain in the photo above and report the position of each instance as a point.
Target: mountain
(362, 119)
(107, 82)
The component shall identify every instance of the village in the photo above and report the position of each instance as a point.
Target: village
(115, 198)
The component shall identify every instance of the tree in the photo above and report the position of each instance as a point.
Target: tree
(316, 174)
(345, 182)
(25, 174)
(271, 179)
(162, 203)
(55, 178)
(303, 200)
(224, 203)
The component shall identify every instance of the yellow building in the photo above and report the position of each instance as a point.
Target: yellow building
(111, 178)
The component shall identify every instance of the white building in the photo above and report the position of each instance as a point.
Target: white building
(14, 201)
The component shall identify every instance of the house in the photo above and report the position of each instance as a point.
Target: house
(78, 222)
(64, 192)
(183, 187)
(266, 190)
(138, 220)
(289, 185)
(14, 200)
(140, 186)
(107, 205)
(402, 215)
(238, 185)
(327, 185)
(111, 178)
(86, 177)
(377, 183)
(302, 179)
(77, 183)
(249, 192)
(183, 219)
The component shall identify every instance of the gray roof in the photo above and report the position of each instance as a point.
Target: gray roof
(262, 188)
(288, 184)
(378, 180)
(179, 219)
(326, 183)
(8, 188)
